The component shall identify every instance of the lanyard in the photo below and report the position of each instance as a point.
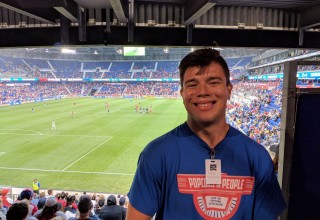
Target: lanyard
(213, 153)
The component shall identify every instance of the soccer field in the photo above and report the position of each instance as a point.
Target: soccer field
(89, 151)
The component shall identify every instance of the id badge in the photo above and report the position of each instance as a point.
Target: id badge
(213, 171)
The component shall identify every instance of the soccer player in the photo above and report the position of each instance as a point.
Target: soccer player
(53, 125)
(107, 108)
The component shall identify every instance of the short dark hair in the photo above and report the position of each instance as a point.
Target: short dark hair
(62, 195)
(101, 202)
(202, 58)
(17, 211)
(48, 212)
(85, 204)
(122, 201)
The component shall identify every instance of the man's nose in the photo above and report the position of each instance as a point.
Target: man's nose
(203, 90)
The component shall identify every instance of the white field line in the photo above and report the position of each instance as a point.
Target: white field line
(53, 135)
(14, 129)
(66, 171)
(87, 153)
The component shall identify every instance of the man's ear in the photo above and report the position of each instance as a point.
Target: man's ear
(229, 89)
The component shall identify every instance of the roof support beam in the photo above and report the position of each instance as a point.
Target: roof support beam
(189, 33)
(310, 17)
(107, 30)
(43, 10)
(2, 4)
(131, 21)
(66, 14)
(194, 9)
(64, 29)
(68, 9)
(120, 9)
(301, 36)
(82, 24)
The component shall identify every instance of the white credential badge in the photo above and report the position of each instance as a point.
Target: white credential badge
(213, 171)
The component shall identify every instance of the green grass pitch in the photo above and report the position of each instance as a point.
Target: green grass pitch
(90, 151)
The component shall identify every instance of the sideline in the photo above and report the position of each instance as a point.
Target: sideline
(66, 171)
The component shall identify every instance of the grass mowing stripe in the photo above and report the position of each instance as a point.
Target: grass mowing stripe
(86, 154)
(90, 126)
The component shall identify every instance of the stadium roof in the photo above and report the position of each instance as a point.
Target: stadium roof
(236, 23)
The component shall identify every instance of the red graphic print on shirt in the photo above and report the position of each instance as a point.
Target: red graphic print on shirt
(215, 201)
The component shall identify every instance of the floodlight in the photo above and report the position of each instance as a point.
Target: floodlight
(68, 51)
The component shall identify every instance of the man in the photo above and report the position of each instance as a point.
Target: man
(107, 108)
(5, 199)
(50, 210)
(35, 199)
(27, 195)
(53, 125)
(50, 193)
(85, 206)
(123, 203)
(36, 186)
(112, 211)
(17, 211)
(3, 210)
(42, 200)
(204, 168)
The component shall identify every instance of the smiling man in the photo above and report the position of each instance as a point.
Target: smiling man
(204, 168)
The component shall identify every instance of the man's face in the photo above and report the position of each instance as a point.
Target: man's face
(205, 93)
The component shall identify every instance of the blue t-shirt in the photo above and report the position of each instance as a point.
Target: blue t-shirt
(170, 179)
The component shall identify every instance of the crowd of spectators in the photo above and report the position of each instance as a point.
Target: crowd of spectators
(94, 75)
(143, 74)
(40, 91)
(66, 206)
(62, 69)
(112, 89)
(28, 92)
(116, 75)
(278, 69)
(139, 88)
(164, 89)
(165, 74)
(256, 110)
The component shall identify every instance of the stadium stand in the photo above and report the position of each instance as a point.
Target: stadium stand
(135, 76)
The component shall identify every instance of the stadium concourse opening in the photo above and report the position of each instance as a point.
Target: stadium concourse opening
(94, 95)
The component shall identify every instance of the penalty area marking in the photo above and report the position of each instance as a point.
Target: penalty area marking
(16, 129)
(66, 171)
(87, 153)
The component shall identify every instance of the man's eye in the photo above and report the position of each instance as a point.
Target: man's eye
(191, 85)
